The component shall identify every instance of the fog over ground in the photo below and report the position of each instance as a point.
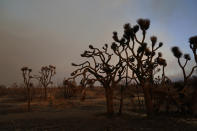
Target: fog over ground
(41, 32)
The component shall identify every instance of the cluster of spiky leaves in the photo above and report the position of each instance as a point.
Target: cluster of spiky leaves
(45, 73)
(161, 61)
(176, 52)
(193, 46)
(193, 42)
(187, 57)
(143, 23)
(26, 69)
(48, 68)
(26, 73)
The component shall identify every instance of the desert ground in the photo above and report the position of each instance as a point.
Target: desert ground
(74, 114)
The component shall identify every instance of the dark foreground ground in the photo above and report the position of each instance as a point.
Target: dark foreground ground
(74, 115)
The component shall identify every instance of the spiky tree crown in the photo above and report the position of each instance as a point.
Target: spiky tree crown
(136, 49)
(114, 46)
(24, 68)
(115, 36)
(144, 23)
(91, 47)
(187, 57)
(159, 54)
(176, 52)
(193, 40)
(161, 61)
(153, 40)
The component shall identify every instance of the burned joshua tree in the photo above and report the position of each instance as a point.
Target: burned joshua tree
(140, 58)
(99, 67)
(46, 74)
(26, 73)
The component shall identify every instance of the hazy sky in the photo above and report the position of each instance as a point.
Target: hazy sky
(42, 32)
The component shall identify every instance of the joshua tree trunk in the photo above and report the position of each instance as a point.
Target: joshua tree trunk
(122, 92)
(45, 92)
(28, 99)
(138, 98)
(121, 100)
(194, 102)
(109, 100)
(147, 98)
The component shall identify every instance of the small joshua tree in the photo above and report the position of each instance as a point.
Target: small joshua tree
(99, 68)
(85, 83)
(26, 73)
(178, 54)
(140, 58)
(46, 74)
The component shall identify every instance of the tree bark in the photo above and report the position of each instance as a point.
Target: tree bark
(148, 100)
(28, 99)
(109, 100)
(45, 92)
(121, 100)
(194, 102)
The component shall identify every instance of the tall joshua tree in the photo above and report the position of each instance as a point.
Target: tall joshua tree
(99, 67)
(26, 73)
(140, 58)
(46, 74)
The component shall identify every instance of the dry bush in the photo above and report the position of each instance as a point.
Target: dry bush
(18, 93)
(59, 92)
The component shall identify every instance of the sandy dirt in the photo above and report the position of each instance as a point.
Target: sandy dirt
(75, 115)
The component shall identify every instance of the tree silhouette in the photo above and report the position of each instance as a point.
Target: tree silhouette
(99, 67)
(26, 73)
(178, 54)
(140, 58)
(45, 75)
(190, 102)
